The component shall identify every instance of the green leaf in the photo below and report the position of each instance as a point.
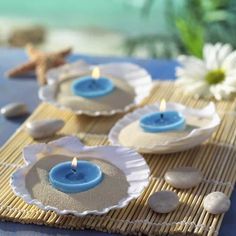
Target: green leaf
(191, 35)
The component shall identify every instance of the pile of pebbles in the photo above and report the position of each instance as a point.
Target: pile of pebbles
(186, 178)
(36, 129)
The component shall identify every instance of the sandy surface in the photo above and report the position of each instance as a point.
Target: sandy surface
(134, 136)
(109, 192)
(121, 96)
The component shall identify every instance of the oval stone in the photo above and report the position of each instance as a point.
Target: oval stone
(44, 128)
(163, 201)
(14, 110)
(216, 203)
(183, 177)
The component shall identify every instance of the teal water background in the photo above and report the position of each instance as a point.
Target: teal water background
(118, 15)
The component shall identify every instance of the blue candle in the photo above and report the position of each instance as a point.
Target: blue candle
(92, 86)
(162, 121)
(75, 176)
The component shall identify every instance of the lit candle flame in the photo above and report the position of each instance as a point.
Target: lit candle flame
(74, 164)
(96, 73)
(163, 105)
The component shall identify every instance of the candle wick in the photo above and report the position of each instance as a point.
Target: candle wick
(74, 170)
(162, 115)
(94, 84)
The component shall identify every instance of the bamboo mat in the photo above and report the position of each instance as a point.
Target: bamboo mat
(216, 159)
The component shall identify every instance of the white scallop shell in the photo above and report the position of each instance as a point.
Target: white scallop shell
(194, 138)
(134, 75)
(130, 162)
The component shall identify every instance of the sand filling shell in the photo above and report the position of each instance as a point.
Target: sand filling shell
(109, 192)
(122, 96)
(134, 136)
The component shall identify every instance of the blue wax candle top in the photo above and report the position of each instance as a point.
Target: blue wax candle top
(85, 176)
(162, 121)
(89, 87)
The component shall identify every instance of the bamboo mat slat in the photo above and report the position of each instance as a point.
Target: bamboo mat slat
(216, 159)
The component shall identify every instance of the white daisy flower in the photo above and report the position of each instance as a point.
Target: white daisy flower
(212, 76)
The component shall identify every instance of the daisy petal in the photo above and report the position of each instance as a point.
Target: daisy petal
(190, 73)
(185, 61)
(216, 92)
(224, 51)
(221, 91)
(231, 72)
(192, 66)
(230, 80)
(206, 50)
(228, 89)
(197, 89)
(210, 56)
(230, 62)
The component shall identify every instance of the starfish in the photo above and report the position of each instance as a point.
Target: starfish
(40, 62)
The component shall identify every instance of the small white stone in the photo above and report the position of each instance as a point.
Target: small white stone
(183, 177)
(163, 201)
(216, 203)
(44, 128)
(14, 109)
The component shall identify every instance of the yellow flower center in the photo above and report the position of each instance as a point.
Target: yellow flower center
(215, 76)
